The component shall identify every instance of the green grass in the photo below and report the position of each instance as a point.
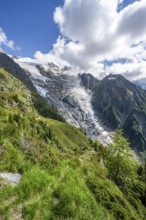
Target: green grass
(62, 173)
(61, 194)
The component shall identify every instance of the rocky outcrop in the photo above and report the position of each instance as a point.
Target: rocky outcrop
(10, 178)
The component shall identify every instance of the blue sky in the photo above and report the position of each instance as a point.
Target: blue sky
(127, 2)
(29, 23)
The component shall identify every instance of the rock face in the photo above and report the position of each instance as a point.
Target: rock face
(89, 81)
(121, 104)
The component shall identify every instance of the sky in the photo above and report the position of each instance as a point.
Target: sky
(29, 23)
(96, 36)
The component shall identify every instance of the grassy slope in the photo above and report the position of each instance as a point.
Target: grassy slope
(17, 110)
(61, 174)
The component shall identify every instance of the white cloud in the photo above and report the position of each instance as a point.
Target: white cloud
(135, 66)
(93, 31)
(131, 22)
(4, 41)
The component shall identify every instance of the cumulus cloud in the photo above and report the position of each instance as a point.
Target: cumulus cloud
(131, 22)
(4, 41)
(93, 31)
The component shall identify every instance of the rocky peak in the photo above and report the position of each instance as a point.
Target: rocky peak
(89, 81)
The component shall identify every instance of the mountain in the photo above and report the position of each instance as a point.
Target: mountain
(52, 170)
(121, 104)
(99, 107)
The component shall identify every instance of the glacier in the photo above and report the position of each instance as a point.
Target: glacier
(65, 92)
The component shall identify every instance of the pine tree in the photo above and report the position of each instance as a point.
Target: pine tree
(120, 163)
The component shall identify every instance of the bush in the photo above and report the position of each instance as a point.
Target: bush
(11, 158)
(33, 181)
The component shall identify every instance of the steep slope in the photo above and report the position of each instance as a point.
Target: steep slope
(18, 109)
(121, 104)
(62, 173)
(9, 65)
(39, 102)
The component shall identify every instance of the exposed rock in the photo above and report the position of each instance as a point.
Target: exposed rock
(89, 81)
(11, 178)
